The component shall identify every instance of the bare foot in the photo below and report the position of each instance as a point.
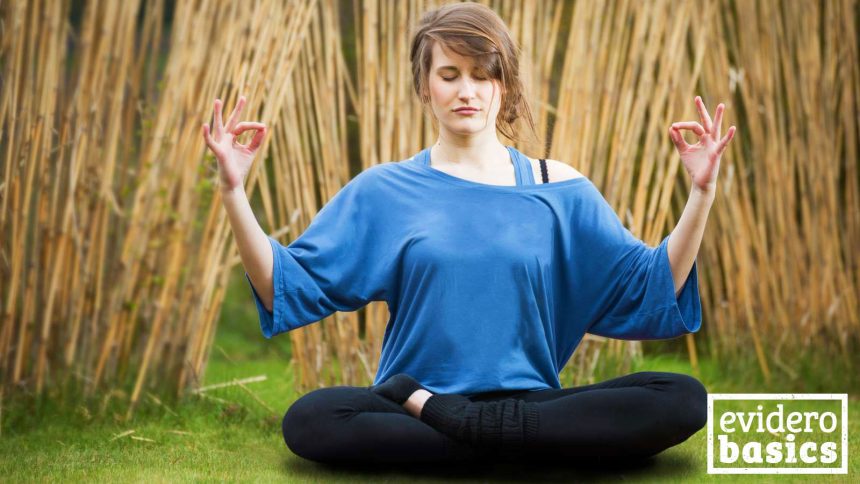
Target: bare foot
(415, 403)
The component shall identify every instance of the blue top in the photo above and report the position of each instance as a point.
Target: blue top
(489, 287)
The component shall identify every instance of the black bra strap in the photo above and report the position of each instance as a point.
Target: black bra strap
(543, 173)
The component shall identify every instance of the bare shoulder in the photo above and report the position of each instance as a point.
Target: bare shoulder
(556, 170)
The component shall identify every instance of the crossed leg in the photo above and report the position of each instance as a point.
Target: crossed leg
(636, 415)
(631, 416)
(346, 424)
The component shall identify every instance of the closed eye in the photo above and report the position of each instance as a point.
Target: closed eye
(452, 78)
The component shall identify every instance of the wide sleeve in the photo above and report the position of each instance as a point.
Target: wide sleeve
(337, 264)
(628, 285)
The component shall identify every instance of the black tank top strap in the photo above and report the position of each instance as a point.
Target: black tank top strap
(543, 174)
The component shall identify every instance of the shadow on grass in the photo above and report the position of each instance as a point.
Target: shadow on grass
(665, 466)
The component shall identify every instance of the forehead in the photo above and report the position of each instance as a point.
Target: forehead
(443, 57)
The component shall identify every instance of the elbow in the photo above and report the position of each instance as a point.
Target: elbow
(679, 278)
(264, 291)
(679, 284)
(268, 298)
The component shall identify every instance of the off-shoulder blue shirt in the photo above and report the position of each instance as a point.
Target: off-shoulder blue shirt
(489, 287)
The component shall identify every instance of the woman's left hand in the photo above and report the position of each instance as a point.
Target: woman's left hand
(702, 160)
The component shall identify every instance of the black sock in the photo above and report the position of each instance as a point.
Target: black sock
(508, 423)
(445, 412)
(397, 388)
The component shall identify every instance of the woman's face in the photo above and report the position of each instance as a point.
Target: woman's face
(455, 82)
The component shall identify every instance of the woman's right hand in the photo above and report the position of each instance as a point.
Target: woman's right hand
(234, 159)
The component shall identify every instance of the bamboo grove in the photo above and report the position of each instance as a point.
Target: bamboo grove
(115, 250)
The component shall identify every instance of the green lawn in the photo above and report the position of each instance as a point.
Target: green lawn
(238, 438)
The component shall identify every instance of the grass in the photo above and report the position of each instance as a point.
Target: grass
(238, 438)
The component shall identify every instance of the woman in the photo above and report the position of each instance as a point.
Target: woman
(491, 279)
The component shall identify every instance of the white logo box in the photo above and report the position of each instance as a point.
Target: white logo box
(712, 397)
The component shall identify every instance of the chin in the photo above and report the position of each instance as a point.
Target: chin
(459, 130)
(466, 126)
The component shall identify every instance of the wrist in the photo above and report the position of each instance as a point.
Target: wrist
(232, 190)
(709, 192)
(237, 191)
(701, 199)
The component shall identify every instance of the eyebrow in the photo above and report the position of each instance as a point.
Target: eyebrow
(451, 68)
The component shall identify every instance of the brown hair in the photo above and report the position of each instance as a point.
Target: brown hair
(472, 30)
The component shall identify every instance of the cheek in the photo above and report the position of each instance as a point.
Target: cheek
(440, 91)
(494, 95)
(491, 92)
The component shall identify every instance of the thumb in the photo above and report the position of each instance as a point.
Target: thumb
(677, 139)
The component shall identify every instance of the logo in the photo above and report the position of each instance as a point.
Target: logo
(777, 433)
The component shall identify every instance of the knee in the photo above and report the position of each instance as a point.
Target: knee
(297, 422)
(304, 423)
(312, 426)
(689, 403)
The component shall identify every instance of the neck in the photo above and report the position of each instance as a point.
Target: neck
(478, 152)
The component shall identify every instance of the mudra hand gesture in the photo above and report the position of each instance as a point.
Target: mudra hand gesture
(702, 160)
(234, 159)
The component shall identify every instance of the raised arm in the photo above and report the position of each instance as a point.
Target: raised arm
(254, 247)
(234, 163)
(702, 162)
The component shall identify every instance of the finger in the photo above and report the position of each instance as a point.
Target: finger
(725, 141)
(677, 138)
(718, 119)
(245, 126)
(690, 125)
(234, 116)
(706, 118)
(206, 136)
(209, 141)
(219, 125)
(258, 139)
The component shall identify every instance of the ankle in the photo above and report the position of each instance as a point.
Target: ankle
(415, 403)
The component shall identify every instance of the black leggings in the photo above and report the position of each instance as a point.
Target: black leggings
(628, 417)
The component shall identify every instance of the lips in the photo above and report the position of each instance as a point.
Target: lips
(466, 110)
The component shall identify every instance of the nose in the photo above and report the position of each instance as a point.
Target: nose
(467, 90)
